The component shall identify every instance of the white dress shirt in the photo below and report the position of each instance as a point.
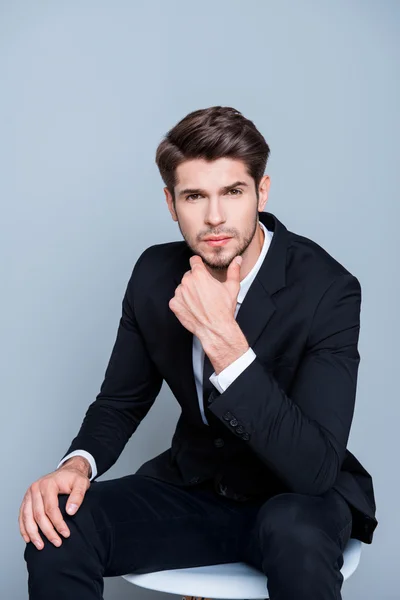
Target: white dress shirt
(225, 377)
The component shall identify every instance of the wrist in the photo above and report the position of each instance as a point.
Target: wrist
(211, 337)
(229, 336)
(78, 462)
(225, 347)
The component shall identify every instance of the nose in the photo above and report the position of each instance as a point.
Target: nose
(214, 215)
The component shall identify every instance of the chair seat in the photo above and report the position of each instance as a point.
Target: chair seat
(235, 581)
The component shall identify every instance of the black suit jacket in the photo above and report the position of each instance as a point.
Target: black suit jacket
(284, 423)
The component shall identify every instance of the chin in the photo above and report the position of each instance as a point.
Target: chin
(218, 262)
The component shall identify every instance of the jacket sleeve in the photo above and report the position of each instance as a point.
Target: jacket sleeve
(302, 436)
(129, 389)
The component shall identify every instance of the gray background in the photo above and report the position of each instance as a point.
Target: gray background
(87, 91)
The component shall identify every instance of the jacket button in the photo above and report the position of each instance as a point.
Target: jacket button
(240, 429)
(227, 416)
(233, 422)
(194, 480)
(246, 436)
(219, 442)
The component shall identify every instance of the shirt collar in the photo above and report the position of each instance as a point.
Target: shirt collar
(248, 280)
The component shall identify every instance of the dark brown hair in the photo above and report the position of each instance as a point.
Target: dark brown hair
(212, 133)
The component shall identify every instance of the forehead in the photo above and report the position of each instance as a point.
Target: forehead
(199, 172)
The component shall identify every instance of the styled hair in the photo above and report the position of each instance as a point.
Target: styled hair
(212, 133)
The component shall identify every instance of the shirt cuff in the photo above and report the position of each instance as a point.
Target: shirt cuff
(224, 379)
(86, 455)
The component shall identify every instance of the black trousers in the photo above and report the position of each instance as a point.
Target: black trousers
(136, 524)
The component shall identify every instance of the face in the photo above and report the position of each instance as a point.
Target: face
(218, 198)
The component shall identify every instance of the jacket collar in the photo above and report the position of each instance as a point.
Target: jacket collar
(246, 282)
(258, 305)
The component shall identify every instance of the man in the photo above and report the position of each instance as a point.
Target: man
(261, 353)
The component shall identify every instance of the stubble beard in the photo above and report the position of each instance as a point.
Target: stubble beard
(219, 261)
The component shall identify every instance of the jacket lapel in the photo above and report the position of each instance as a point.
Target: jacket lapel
(258, 306)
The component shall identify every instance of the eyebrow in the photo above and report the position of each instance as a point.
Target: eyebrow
(222, 190)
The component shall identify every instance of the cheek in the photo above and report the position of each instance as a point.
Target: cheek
(189, 226)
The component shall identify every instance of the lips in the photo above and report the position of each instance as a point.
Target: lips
(218, 241)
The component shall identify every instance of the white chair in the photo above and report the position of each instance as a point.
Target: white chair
(233, 581)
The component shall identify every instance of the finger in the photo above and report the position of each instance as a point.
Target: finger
(30, 524)
(21, 525)
(196, 260)
(52, 509)
(76, 497)
(233, 272)
(41, 518)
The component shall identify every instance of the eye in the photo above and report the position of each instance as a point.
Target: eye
(191, 196)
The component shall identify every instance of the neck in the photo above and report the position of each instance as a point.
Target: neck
(260, 236)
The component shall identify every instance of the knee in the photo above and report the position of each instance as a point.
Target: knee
(294, 549)
(79, 526)
(284, 521)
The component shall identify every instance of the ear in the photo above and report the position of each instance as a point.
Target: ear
(170, 204)
(263, 191)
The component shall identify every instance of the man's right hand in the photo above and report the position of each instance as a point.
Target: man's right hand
(40, 503)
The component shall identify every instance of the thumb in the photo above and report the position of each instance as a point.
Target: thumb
(233, 272)
(76, 497)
